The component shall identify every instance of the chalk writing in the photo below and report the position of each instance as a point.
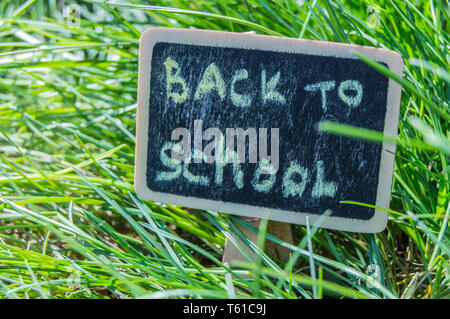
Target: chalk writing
(268, 90)
(175, 78)
(211, 80)
(241, 100)
(323, 87)
(239, 125)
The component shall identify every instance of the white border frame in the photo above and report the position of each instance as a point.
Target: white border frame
(271, 43)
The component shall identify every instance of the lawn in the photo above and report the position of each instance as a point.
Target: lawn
(71, 225)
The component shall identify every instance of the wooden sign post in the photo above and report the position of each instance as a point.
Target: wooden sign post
(228, 122)
(280, 230)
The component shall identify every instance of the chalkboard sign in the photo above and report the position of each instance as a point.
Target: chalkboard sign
(228, 122)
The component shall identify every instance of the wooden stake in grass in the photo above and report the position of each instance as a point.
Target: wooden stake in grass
(280, 230)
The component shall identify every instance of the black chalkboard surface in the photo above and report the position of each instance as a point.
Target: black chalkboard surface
(202, 93)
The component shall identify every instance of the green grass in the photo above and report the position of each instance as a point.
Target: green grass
(71, 225)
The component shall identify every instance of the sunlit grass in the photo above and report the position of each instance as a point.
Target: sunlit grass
(71, 225)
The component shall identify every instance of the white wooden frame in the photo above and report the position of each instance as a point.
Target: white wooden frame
(252, 41)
